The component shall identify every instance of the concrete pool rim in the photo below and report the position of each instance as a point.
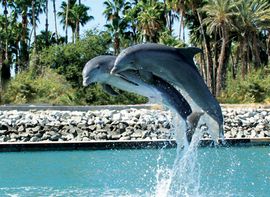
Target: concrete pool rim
(121, 144)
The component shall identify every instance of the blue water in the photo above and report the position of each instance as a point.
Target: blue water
(234, 171)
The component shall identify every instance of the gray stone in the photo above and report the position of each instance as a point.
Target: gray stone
(101, 136)
(92, 127)
(21, 128)
(85, 139)
(55, 137)
(36, 129)
(125, 138)
(34, 139)
(3, 132)
(116, 136)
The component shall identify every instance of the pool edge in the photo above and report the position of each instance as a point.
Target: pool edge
(122, 144)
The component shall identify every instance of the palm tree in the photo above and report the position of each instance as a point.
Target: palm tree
(150, 20)
(79, 16)
(65, 16)
(114, 11)
(22, 7)
(66, 19)
(251, 18)
(218, 21)
(180, 7)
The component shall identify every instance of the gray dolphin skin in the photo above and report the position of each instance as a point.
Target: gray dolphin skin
(176, 66)
(159, 91)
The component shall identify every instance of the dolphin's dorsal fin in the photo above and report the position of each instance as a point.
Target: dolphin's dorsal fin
(189, 53)
(109, 90)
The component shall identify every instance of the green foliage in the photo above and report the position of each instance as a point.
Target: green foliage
(167, 39)
(49, 88)
(253, 89)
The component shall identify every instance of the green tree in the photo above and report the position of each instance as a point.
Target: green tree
(151, 20)
(219, 19)
(114, 12)
(79, 16)
(252, 18)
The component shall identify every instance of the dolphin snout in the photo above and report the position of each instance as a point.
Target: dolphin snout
(85, 83)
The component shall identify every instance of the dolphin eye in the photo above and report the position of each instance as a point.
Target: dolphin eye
(98, 67)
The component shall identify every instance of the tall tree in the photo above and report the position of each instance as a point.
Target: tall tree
(114, 11)
(22, 6)
(219, 19)
(79, 16)
(66, 19)
(47, 23)
(55, 21)
(251, 18)
(151, 20)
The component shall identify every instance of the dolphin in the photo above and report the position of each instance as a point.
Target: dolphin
(176, 66)
(157, 90)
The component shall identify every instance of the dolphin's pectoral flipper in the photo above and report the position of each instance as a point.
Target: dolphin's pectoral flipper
(109, 90)
(146, 76)
(126, 79)
(189, 53)
(192, 121)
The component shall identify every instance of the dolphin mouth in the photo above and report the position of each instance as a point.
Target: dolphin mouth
(87, 81)
(114, 71)
(123, 77)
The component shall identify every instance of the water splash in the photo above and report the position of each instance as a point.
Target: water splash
(183, 179)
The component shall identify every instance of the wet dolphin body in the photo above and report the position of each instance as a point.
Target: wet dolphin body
(177, 67)
(98, 70)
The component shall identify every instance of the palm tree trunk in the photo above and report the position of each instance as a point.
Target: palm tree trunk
(268, 47)
(244, 58)
(256, 53)
(55, 21)
(221, 62)
(116, 44)
(77, 30)
(46, 25)
(34, 25)
(24, 48)
(209, 60)
(6, 28)
(1, 66)
(66, 25)
(181, 21)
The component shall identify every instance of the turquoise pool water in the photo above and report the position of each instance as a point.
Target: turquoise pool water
(234, 171)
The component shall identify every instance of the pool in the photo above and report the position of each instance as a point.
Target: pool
(234, 171)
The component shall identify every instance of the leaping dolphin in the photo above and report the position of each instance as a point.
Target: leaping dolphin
(159, 91)
(176, 66)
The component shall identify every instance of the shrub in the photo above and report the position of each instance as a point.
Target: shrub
(50, 88)
(253, 89)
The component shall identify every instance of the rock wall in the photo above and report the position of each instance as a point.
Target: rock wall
(128, 124)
